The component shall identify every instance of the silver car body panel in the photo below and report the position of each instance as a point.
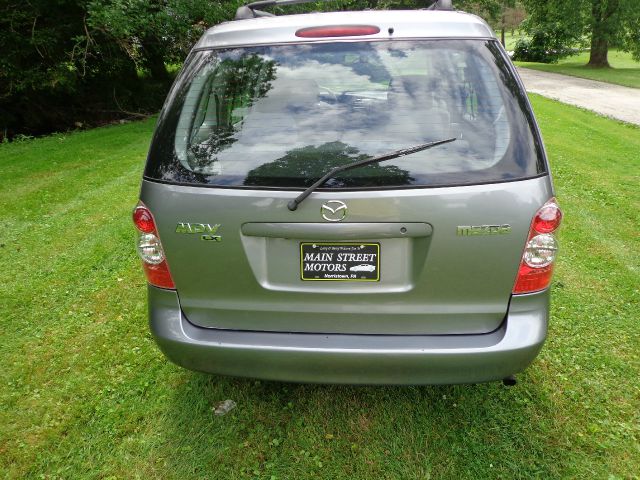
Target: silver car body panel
(434, 281)
(405, 24)
(353, 359)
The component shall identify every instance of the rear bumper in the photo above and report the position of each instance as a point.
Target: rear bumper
(353, 359)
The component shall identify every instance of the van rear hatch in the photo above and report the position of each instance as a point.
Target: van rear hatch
(426, 243)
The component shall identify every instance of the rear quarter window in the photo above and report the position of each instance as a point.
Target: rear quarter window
(282, 116)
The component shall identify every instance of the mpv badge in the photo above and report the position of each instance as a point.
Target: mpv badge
(206, 231)
(334, 211)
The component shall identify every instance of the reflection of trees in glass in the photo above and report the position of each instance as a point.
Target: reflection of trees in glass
(243, 82)
(203, 154)
(303, 166)
(397, 53)
(236, 83)
(370, 66)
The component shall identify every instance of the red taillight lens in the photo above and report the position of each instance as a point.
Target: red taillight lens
(337, 31)
(143, 220)
(548, 217)
(533, 279)
(150, 249)
(159, 275)
(536, 266)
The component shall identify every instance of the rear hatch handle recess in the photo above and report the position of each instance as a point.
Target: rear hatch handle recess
(293, 204)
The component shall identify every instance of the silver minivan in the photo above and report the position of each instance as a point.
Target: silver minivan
(349, 197)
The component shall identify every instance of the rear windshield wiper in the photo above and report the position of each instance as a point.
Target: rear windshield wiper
(293, 204)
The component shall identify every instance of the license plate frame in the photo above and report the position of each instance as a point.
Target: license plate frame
(316, 259)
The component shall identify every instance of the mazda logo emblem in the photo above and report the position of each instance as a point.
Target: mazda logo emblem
(334, 210)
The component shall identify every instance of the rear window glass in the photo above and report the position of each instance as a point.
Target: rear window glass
(282, 116)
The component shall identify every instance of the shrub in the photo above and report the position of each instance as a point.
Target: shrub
(545, 46)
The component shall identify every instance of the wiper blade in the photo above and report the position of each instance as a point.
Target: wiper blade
(293, 204)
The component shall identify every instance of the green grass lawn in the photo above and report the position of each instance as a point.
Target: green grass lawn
(624, 70)
(86, 394)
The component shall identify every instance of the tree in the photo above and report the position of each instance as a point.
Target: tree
(67, 62)
(51, 68)
(602, 23)
(511, 17)
(153, 33)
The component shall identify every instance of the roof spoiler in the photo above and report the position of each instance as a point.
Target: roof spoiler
(253, 10)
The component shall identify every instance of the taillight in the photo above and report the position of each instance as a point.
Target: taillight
(143, 219)
(548, 218)
(150, 249)
(337, 31)
(536, 266)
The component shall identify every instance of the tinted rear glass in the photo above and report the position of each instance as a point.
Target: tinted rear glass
(282, 116)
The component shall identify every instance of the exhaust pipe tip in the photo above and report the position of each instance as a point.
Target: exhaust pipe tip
(509, 381)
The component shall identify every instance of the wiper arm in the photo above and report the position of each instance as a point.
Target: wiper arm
(293, 204)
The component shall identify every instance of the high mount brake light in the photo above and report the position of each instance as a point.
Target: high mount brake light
(150, 249)
(536, 265)
(337, 31)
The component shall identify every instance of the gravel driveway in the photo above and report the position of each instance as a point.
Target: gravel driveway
(621, 103)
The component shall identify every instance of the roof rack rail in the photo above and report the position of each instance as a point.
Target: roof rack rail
(251, 10)
(441, 5)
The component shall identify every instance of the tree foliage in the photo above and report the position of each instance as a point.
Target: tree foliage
(87, 61)
(555, 26)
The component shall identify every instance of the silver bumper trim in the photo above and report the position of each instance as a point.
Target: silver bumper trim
(353, 359)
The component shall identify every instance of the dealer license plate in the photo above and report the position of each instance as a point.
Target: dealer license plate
(347, 262)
